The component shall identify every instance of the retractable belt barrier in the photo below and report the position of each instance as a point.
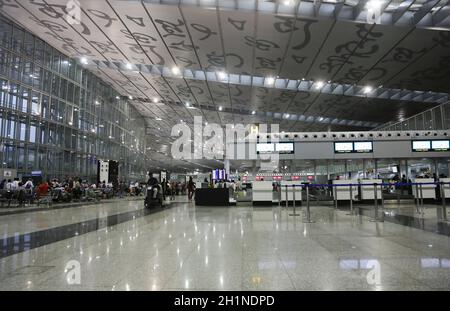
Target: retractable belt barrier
(418, 196)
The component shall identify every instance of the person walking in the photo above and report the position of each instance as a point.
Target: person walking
(190, 188)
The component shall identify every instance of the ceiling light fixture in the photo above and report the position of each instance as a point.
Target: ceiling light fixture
(220, 108)
(253, 112)
(129, 66)
(319, 84)
(187, 104)
(270, 80)
(222, 75)
(155, 100)
(84, 61)
(374, 5)
(117, 97)
(287, 115)
(130, 97)
(367, 89)
(176, 70)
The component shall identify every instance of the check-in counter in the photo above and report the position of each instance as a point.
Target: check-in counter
(446, 188)
(342, 193)
(368, 191)
(212, 197)
(262, 193)
(428, 191)
(290, 192)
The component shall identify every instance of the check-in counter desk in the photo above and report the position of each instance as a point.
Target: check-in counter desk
(262, 193)
(446, 188)
(342, 193)
(368, 191)
(290, 192)
(428, 191)
(212, 197)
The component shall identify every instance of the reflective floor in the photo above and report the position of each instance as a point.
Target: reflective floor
(205, 248)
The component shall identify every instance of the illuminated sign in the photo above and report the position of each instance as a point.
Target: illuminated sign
(421, 145)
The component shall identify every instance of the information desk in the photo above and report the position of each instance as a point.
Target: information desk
(212, 197)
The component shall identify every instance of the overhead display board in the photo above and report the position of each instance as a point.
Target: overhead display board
(440, 145)
(284, 148)
(353, 147)
(265, 148)
(436, 145)
(287, 148)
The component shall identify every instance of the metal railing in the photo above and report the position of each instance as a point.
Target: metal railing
(418, 198)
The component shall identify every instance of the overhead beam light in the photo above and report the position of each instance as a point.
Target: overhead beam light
(374, 5)
(187, 104)
(222, 75)
(253, 112)
(129, 66)
(220, 108)
(130, 97)
(158, 119)
(176, 70)
(367, 89)
(270, 80)
(84, 60)
(319, 84)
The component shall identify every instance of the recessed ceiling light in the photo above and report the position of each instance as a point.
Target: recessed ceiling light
(253, 112)
(130, 97)
(270, 80)
(374, 5)
(287, 115)
(187, 104)
(155, 100)
(117, 97)
(367, 89)
(97, 102)
(129, 66)
(222, 75)
(175, 70)
(319, 84)
(220, 108)
(84, 61)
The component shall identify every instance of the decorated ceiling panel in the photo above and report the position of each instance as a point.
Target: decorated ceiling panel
(228, 61)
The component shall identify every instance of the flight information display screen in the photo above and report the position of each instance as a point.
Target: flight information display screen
(440, 145)
(363, 146)
(421, 145)
(265, 148)
(343, 147)
(284, 147)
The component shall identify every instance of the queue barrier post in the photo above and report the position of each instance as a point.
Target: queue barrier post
(335, 196)
(421, 200)
(417, 198)
(286, 198)
(351, 199)
(443, 199)
(375, 196)
(308, 212)
(293, 202)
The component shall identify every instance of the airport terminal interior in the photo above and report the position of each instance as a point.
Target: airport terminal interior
(284, 145)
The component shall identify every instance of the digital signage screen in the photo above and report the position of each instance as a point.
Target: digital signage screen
(363, 146)
(265, 148)
(440, 145)
(421, 145)
(284, 147)
(343, 147)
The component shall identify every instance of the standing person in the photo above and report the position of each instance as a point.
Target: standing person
(190, 188)
(164, 188)
(3, 184)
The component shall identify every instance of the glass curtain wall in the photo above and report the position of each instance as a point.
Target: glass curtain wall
(59, 118)
(437, 118)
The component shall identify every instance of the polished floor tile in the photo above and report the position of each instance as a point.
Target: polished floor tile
(231, 248)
